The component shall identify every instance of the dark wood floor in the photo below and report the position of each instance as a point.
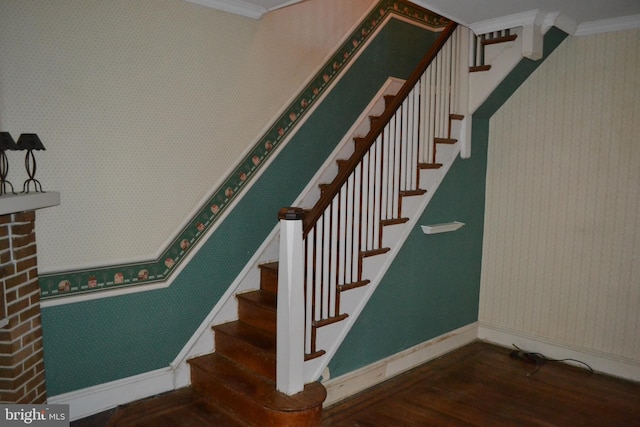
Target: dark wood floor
(477, 385)
(480, 385)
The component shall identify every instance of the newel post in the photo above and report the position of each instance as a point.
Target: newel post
(290, 323)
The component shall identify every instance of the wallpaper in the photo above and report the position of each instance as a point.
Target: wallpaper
(562, 225)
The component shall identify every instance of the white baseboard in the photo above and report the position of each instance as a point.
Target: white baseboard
(92, 400)
(349, 384)
(600, 362)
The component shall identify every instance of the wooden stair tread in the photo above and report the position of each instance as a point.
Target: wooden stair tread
(251, 335)
(445, 140)
(429, 165)
(479, 68)
(263, 390)
(261, 298)
(353, 285)
(269, 266)
(394, 221)
(374, 252)
(408, 193)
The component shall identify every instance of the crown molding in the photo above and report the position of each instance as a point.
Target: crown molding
(239, 7)
(608, 25)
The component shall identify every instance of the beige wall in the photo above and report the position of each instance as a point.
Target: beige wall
(144, 106)
(561, 257)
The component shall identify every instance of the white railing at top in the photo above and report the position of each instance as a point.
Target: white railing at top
(322, 249)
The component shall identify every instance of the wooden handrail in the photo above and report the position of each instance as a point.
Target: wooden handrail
(331, 190)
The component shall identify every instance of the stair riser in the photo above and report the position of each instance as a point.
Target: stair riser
(269, 280)
(255, 359)
(255, 315)
(244, 406)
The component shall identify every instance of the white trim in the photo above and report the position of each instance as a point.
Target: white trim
(560, 21)
(12, 203)
(599, 361)
(608, 25)
(92, 400)
(238, 7)
(375, 373)
(504, 22)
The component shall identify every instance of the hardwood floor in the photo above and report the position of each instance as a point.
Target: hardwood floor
(476, 385)
(480, 385)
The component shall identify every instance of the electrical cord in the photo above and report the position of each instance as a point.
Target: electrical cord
(540, 359)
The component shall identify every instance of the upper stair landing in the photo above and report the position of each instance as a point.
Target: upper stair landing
(497, 59)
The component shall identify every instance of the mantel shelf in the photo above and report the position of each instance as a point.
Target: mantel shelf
(21, 202)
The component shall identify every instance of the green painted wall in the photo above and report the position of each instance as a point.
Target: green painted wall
(98, 341)
(433, 285)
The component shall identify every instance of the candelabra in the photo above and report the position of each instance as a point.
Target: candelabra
(6, 143)
(30, 142)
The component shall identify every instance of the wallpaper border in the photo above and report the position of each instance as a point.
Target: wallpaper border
(93, 280)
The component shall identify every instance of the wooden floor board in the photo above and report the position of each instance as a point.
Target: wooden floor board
(481, 385)
(476, 385)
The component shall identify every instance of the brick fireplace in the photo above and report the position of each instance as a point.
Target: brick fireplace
(22, 373)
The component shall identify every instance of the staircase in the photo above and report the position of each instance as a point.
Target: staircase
(239, 382)
(239, 378)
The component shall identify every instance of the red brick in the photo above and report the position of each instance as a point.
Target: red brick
(8, 348)
(15, 281)
(11, 296)
(10, 372)
(17, 306)
(27, 216)
(24, 252)
(22, 229)
(4, 230)
(7, 383)
(9, 270)
(13, 322)
(35, 381)
(7, 396)
(20, 241)
(5, 258)
(19, 330)
(36, 323)
(26, 264)
(27, 291)
(41, 391)
(35, 298)
(29, 313)
(5, 219)
(4, 242)
(31, 337)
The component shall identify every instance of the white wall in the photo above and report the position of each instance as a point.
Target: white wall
(561, 259)
(144, 106)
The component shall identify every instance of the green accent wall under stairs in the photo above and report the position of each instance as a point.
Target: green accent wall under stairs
(99, 341)
(433, 285)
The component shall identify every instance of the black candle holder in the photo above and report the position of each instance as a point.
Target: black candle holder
(30, 142)
(6, 143)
